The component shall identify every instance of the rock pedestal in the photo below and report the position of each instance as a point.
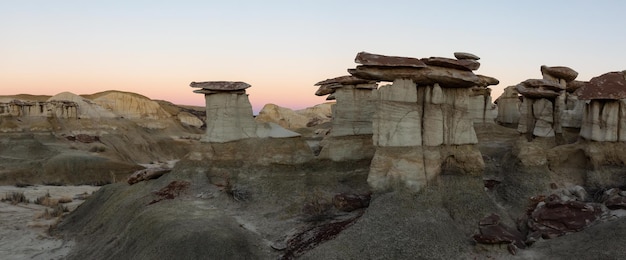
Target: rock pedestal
(229, 113)
(350, 135)
(604, 118)
(422, 123)
(509, 106)
(544, 102)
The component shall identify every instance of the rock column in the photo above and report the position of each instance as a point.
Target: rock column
(350, 135)
(544, 102)
(228, 111)
(422, 125)
(604, 118)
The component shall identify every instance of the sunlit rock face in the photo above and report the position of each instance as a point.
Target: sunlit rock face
(295, 119)
(604, 117)
(229, 114)
(481, 108)
(131, 105)
(422, 121)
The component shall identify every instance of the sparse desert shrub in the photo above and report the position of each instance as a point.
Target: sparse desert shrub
(53, 183)
(237, 193)
(46, 200)
(57, 211)
(15, 198)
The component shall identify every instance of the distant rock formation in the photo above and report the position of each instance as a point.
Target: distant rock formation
(604, 118)
(422, 120)
(295, 119)
(130, 105)
(544, 102)
(509, 106)
(229, 113)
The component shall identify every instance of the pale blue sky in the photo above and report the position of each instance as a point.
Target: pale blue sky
(282, 48)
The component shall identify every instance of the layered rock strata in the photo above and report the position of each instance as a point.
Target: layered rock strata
(544, 102)
(422, 125)
(229, 113)
(350, 135)
(604, 118)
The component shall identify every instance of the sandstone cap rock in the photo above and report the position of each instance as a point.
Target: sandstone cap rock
(452, 63)
(539, 88)
(388, 61)
(345, 80)
(220, 85)
(465, 56)
(486, 81)
(445, 77)
(610, 85)
(560, 72)
(575, 85)
(329, 86)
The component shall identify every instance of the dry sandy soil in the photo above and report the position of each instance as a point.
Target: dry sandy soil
(23, 232)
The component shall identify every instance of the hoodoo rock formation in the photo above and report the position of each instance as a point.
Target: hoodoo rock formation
(422, 122)
(509, 106)
(544, 102)
(604, 118)
(350, 135)
(229, 113)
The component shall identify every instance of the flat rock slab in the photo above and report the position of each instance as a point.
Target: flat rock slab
(465, 56)
(345, 80)
(220, 85)
(611, 85)
(452, 63)
(387, 61)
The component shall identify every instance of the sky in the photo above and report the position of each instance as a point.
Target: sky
(282, 48)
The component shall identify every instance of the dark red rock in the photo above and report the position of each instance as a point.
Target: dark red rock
(350, 202)
(452, 63)
(556, 218)
(490, 184)
(560, 72)
(171, 191)
(611, 85)
(389, 61)
(494, 232)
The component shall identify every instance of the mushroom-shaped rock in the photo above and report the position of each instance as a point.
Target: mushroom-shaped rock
(324, 90)
(539, 88)
(452, 63)
(611, 85)
(560, 72)
(220, 85)
(486, 81)
(388, 61)
(465, 56)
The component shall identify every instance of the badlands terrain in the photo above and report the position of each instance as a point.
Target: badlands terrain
(412, 160)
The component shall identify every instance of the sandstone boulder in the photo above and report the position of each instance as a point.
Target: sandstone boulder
(295, 119)
(554, 217)
(465, 56)
(611, 86)
(509, 106)
(467, 64)
(559, 72)
(387, 61)
(445, 77)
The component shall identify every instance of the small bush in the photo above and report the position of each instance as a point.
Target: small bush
(15, 198)
(97, 149)
(22, 185)
(57, 211)
(317, 208)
